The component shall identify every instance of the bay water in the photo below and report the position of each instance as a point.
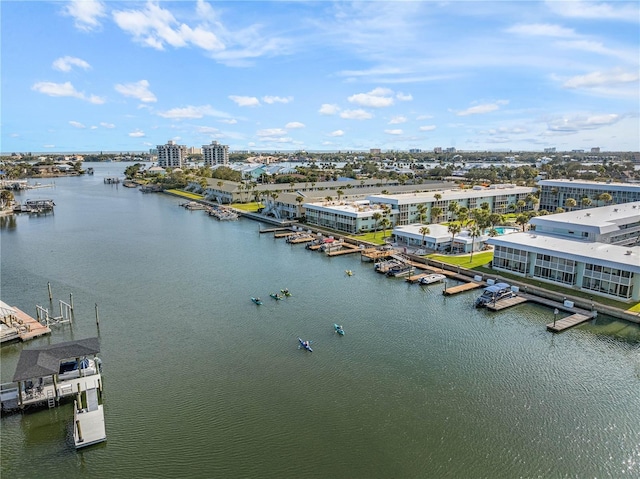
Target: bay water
(201, 382)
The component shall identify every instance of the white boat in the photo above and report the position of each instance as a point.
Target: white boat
(432, 278)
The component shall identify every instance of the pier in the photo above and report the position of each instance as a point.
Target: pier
(18, 325)
(568, 322)
(506, 303)
(461, 288)
(88, 422)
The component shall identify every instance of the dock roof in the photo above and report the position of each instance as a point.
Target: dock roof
(45, 361)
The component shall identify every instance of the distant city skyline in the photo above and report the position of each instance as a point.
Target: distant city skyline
(261, 76)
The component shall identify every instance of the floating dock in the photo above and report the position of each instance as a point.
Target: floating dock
(461, 288)
(506, 303)
(18, 325)
(88, 422)
(568, 322)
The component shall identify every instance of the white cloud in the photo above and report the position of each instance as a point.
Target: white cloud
(271, 132)
(337, 133)
(376, 98)
(328, 109)
(65, 90)
(542, 29)
(582, 122)
(424, 117)
(597, 79)
(107, 125)
(191, 112)
(427, 128)
(137, 134)
(277, 99)
(481, 109)
(396, 120)
(139, 90)
(209, 130)
(402, 97)
(76, 124)
(356, 115)
(86, 13)
(64, 64)
(393, 132)
(245, 100)
(294, 125)
(230, 121)
(625, 11)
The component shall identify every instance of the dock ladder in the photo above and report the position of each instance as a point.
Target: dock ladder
(51, 399)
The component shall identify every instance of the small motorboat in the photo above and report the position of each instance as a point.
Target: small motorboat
(338, 329)
(276, 296)
(285, 292)
(256, 300)
(305, 344)
(432, 278)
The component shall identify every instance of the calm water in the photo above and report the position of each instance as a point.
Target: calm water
(201, 382)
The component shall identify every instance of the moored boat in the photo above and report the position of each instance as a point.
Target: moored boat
(432, 278)
(494, 293)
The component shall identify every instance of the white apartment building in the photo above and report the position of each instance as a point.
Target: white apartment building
(171, 155)
(595, 250)
(554, 193)
(498, 197)
(215, 154)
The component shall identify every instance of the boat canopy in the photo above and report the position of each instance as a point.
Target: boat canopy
(502, 285)
(45, 361)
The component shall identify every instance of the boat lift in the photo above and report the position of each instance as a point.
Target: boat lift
(66, 314)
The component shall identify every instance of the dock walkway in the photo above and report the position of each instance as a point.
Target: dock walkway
(88, 422)
(568, 322)
(461, 288)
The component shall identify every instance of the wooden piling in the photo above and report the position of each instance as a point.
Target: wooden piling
(97, 317)
(49, 287)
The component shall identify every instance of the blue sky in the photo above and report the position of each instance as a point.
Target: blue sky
(94, 75)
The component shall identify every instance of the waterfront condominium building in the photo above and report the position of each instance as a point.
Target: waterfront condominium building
(171, 155)
(555, 193)
(215, 154)
(595, 250)
(417, 207)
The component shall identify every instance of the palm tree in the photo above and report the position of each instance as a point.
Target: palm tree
(422, 212)
(522, 220)
(475, 232)
(453, 207)
(424, 231)
(385, 223)
(520, 204)
(339, 193)
(606, 197)
(376, 217)
(299, 199)
(454, 228)
(328, 198)
(570, 203)
(437, 196)
(436, 211)
(586, 202)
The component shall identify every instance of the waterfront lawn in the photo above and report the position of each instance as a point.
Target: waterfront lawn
(252, 207)
(479, 259)
(374, 238)
(186, 194)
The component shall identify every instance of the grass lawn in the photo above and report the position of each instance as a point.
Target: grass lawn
(479, 259)
(375, 238)
(251, 207)
(186, 194)
(634, 309)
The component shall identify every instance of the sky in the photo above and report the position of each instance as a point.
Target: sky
(126, 76)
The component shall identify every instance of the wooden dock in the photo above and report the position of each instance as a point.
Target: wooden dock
(19, 325)
(461, 288)
(274, 230)
(506, 303)
(416, 278)
(346, 249)
(302, 239)
(568, 322)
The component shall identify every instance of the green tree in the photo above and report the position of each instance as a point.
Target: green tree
(570, 203)
(436, 211)
(424, 231)
(377, 216)
(454, 228)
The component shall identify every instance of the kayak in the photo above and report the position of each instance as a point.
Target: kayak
(305, 345)
(285, 292)
(256, 300)
(275, 296)
(338, 329)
